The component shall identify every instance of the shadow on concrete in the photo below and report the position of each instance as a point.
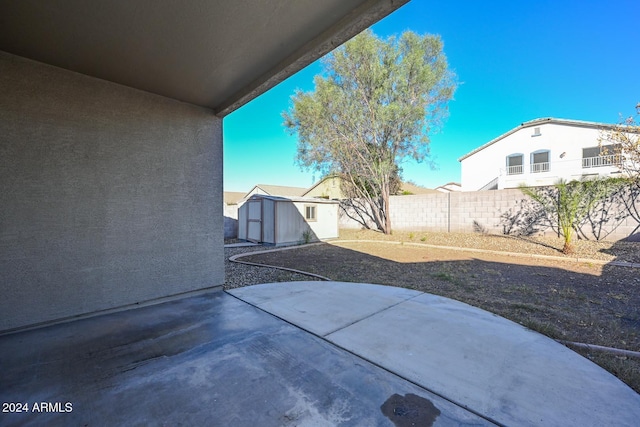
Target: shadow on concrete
(198, 361)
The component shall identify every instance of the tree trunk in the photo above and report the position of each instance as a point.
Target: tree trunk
(376, 214)
(568, 248)
(387, 216)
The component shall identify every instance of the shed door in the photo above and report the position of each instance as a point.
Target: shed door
(254, 220)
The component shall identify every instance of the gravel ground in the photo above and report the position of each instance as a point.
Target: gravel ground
(238, 275)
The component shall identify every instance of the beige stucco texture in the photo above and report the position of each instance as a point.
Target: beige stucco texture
(109, 195)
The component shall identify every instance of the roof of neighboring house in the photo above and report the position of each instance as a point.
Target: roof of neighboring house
(405, 186)
(313, 187)
(537, 122)
(449, 186)
(280, 190)
(415, 189)
(233, 197)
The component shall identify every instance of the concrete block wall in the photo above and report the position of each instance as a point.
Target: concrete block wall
(345, 219)
(493, 211)
(616, 223)
(420, 212)
(630, 228)
(480, 211)
(109, 196)
(230, 221)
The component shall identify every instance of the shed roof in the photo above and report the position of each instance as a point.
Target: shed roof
(217, 54)
(538, 122)
(294, 199)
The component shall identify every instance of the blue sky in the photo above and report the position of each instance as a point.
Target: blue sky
(515, 60)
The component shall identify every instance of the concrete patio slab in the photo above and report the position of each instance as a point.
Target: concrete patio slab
(481, 361)
(323, 307)
(206, 360)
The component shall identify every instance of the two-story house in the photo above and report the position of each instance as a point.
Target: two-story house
(537, 153)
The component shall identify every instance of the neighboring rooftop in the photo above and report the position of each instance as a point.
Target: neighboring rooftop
(278, 190)
(415, 189)
(538, 122)
(314, 190)
(449, 187)
(233, 197)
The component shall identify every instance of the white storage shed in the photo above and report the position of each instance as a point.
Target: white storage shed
(283, 221)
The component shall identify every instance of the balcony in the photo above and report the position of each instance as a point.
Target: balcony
(599, 161)
(515, 170)
(540, 167)
(548, 173)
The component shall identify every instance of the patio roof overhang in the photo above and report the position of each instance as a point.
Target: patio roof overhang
(212, 53)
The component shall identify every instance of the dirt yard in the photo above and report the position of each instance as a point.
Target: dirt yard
(587, 302)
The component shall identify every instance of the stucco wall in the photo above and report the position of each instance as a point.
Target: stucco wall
(110, 196)
(564, 142)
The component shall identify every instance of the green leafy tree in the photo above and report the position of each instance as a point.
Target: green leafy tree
(568, 204)
(624, 142)
(374, 106)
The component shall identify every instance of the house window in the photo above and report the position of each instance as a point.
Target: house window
(536, 132)
(514, 164)
(310, 212)
(540, 161)
(606, 155)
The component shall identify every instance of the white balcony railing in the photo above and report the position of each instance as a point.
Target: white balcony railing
(540, 167)
(515, 170)
(599, 161)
